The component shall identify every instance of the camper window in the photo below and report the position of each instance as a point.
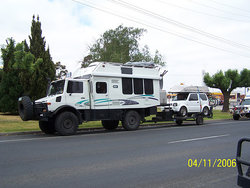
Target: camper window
(101, 87)
(127, 86)
(148, 86)
(75, 87)
(138, 86)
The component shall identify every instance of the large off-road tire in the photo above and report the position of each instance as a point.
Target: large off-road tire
(25, 108)
(236, 116)
(205, 111)
(179, 122)
(199, 120)
(48, 127)
(110, 124)
(131, 121)
(66, 123)
(183, 111)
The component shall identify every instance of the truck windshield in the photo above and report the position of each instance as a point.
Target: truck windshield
(181, 97)
(246, 102)
(56, 88)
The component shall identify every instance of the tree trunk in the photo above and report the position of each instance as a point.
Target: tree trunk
(226, 101)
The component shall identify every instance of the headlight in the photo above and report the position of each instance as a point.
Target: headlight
(175, 104)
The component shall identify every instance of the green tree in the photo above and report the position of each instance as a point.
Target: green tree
(121, 45)
(44, 68)
(227, 82)
(24, 63)
(1, 75)
(245, 78)
(10, 86)
(61, 70)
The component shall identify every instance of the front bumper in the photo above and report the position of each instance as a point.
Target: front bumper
(41, 111)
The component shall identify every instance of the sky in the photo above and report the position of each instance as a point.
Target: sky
(194, 36)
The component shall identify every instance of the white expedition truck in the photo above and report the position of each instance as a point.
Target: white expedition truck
(103, 91)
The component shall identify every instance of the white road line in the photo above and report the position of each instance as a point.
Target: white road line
(28, 139)
(195, 139)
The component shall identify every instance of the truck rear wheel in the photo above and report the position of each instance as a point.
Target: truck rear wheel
(66, 123)
(131, 120)
(110, 124)
(48, 127)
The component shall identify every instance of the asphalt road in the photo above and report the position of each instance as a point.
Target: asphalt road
(148, 157)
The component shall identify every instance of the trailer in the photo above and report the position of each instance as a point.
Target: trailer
(110, 92)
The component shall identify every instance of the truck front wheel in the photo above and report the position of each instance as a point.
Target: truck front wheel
(131, 120)
(48, 127)
(66, 123)
(110, 124)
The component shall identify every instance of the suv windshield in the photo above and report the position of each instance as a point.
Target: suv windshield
(181, 97)
(246, 102)
(56, 88)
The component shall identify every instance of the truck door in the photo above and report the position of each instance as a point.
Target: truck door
(101, 98)
(193, 103)
(77, 94)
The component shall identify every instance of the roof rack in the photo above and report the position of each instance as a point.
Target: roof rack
(140, 64)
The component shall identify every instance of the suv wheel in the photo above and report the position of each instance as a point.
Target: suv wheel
(183, 111)
(205, 111)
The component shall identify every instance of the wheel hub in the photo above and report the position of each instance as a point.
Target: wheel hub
(67, 124)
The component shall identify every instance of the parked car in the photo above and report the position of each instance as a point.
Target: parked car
(242, 110)
(186, 104)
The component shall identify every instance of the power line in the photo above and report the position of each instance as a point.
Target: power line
(230, 6)
(200, 12)
(91, 5)
(179, 24)
(218, 9)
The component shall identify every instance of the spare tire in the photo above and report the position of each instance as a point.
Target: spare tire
(25, 108)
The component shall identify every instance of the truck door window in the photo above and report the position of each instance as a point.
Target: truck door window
(75, 87)
(148, 86)
(101, 87)
(127, 86)
(193, 97)
(138, 86)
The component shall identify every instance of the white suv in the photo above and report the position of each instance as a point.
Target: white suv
(243, 110)
(186, 104)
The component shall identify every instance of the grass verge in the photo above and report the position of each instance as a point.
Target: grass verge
(13, 123)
